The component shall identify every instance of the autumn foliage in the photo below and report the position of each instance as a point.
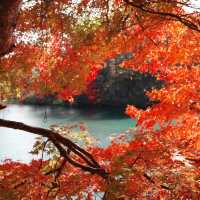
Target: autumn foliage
(157, 159)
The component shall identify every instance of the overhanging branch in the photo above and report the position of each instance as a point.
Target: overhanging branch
(168, 15)
(90, 164)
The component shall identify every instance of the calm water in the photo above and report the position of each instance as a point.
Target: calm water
(16, 144)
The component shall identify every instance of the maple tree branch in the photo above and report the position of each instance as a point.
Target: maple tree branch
(59, 141)
(7, 51)
(59, 170)
(173, 16)
(20, 184)
(143, 29)
(2, 106)
(148, 177)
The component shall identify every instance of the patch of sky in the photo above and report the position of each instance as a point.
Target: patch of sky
(193, 6)
(28, 37)
(28, 4)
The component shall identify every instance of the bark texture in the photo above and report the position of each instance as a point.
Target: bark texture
(8, 18)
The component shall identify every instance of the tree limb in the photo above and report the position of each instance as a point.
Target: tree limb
(181, 18)
(60, 142)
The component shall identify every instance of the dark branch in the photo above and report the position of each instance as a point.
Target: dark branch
(60, 142)
(172, 16)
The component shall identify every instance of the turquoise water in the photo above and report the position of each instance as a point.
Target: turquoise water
(101, 123)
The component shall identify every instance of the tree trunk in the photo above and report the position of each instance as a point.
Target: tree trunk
(8, 18)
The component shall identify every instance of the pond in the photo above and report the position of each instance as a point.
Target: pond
(101, 123)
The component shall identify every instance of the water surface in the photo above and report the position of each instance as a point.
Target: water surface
(101, 123)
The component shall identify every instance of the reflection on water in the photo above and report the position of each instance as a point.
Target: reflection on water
(16, 144)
